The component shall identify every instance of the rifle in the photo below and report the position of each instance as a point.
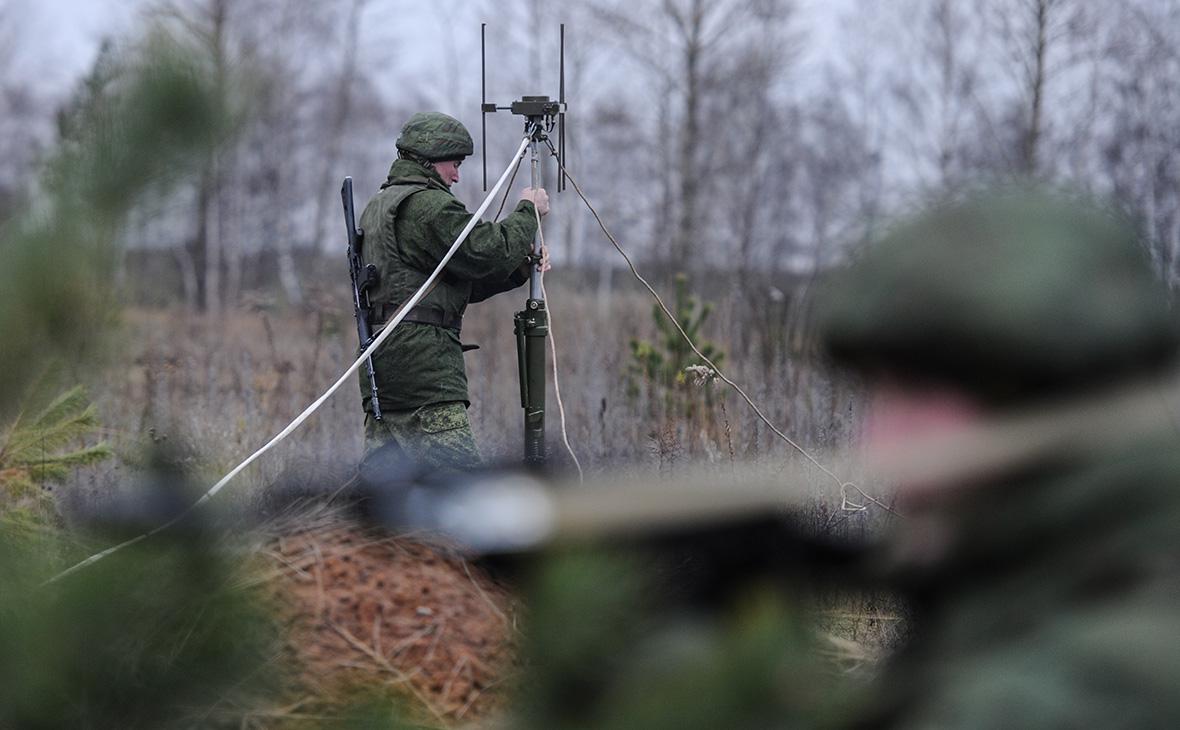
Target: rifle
(364, 277)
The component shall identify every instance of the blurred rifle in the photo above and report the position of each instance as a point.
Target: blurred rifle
(364, 277)
(718, 532)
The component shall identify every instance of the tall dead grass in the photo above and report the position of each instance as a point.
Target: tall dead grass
(214, 389)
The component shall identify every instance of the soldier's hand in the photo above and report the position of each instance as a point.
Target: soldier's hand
(538, 197)
(545, 265)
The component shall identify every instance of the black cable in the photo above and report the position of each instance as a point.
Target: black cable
(720, 375)
(508, 188)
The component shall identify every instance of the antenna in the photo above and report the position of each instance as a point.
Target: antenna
(561, 117)
(543, 116)
(483, 101)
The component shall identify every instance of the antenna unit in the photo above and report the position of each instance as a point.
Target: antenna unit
(543, 116)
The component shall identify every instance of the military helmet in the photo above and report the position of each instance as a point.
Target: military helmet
(1010, 295)
(434, 137)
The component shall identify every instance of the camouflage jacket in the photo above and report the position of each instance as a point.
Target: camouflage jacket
(409, 225)
(1055, 602)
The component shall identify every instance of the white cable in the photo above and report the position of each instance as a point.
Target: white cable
(389, 327)
(565, 439)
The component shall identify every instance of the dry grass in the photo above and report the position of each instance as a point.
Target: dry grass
(371, 614)
(216, 390)
(213, 391)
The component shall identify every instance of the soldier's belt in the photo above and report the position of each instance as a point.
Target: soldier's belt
(422, 315)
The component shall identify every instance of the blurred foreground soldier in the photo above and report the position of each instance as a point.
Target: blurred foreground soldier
(1046, 591)
(409, 225)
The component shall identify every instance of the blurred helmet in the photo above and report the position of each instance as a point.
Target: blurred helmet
(1010, 295)
(435, 137)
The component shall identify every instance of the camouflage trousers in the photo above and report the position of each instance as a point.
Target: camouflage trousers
(437, 434)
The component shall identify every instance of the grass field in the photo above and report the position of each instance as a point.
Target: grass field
(214, 390)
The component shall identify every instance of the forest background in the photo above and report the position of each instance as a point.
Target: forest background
(747, 145)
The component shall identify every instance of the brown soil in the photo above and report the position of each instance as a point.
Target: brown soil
(407, 617)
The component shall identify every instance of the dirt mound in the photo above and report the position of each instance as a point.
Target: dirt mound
(405, 615)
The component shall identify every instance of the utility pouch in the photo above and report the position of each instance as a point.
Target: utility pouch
(441, 417)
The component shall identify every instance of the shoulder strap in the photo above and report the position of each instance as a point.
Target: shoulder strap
(402, 190)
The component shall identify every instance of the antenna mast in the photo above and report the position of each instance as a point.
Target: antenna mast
(543, 117)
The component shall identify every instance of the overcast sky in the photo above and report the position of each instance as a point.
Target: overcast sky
(67, 33)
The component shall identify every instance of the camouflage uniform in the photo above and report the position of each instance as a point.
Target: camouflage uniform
(409, 225)
(1054, 600)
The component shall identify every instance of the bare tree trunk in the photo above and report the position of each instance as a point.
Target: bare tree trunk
(213, 247)
(949, 77)
(233, 260)
(197, 247)
(188, 276)
(1032, 137)
(342, 105)
(233, 276)
(205, 253)
(690, 137)
(606, 286)
(536, 23)
(1173, 244)
(665, 246)
(288, 273)
(1149, 216)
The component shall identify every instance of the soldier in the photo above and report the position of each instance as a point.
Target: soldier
(1045, 588)
(409, 225)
